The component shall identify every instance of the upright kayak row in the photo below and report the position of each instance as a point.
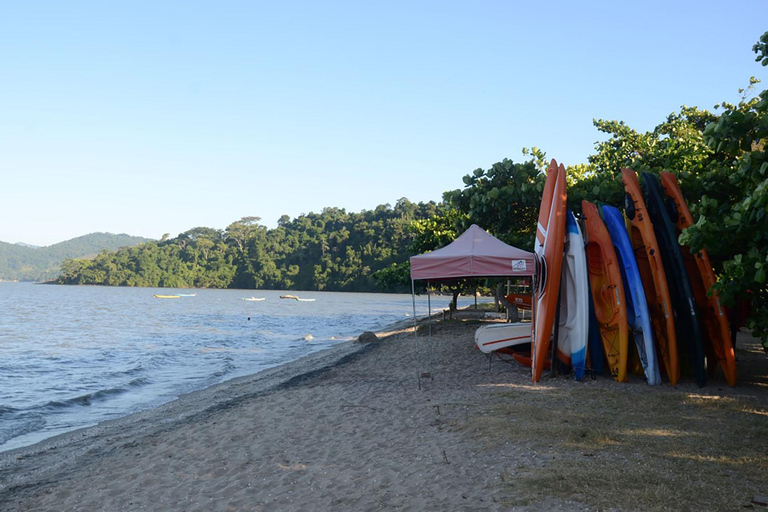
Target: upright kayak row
(630, 298)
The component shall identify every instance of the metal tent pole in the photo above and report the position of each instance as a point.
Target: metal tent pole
(429, 339)
(416, 331)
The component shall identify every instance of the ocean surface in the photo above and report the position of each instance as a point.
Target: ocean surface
(73, 356)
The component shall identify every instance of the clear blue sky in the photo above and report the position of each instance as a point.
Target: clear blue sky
(152, 117)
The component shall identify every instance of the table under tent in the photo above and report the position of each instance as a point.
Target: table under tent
(474, 254)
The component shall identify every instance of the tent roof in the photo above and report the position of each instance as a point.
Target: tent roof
(473, 254)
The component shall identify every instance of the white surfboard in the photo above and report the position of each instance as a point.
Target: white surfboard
(495, 336)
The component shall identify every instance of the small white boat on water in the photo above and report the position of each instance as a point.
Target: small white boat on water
(294, 297)
(254, 299)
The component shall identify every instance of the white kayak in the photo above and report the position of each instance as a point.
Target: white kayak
(495, 336)
(574, 302)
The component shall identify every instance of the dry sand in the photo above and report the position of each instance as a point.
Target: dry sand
(355, 428)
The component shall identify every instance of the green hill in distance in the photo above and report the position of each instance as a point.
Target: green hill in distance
(23, 262)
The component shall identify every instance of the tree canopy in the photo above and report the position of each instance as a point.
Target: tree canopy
(331, 250)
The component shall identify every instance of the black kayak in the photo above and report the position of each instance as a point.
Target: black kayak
(683, 302)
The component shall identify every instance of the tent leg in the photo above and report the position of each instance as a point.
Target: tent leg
(416, 332)
(428, 374)
(534, 301)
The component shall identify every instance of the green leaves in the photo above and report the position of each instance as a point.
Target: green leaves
(761, 49)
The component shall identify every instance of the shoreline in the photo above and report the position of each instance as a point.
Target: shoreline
(186, 406)
(183, 408)
(355, 428)
(222, 388)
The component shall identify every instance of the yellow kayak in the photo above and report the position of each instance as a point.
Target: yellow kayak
(167, 296)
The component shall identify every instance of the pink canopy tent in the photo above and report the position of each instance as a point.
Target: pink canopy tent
(473, 254)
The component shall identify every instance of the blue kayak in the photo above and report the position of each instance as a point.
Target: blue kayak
(638, 316)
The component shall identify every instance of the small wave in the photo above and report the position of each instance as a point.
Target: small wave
(230, 350)
(130, 371)
(227, 368)
(4, 411)
(84, 400)
(19, 426)
(141, 381)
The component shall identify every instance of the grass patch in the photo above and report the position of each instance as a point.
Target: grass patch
(629, 447)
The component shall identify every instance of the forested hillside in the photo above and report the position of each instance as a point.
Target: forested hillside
(332, 250)
(20, 262)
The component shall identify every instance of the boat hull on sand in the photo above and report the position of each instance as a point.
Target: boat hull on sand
(489, 338)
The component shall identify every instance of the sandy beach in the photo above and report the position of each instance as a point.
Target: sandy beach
(355, 428)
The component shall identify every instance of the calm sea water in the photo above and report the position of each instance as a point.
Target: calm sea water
(73, 356)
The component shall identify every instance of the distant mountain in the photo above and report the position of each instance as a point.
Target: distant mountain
(23, 262)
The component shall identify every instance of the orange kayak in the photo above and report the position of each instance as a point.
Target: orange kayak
(521, 300)
(699, 269)
(652, 274)
(607, 291)
(548, 257)
(524, 358)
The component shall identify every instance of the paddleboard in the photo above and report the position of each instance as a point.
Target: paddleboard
(638, 318)
(548, 258)
(496, 336)
(702, 278)
(683, 302)
(573, 328)
(607, 291)
(652, 275)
